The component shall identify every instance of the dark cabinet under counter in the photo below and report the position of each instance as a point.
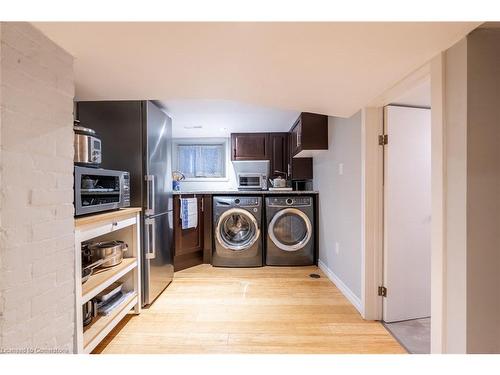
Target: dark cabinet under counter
(193, 246)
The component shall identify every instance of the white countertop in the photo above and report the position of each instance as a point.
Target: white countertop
(246, 192)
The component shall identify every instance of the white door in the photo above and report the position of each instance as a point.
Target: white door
(407, 213)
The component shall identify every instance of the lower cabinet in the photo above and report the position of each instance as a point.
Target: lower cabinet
(193, 246)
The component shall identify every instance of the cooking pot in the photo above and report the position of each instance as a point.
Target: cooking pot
(111, 252)
(89, 311)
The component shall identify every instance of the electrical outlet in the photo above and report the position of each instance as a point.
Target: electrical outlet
(341, 169)
(337, 248)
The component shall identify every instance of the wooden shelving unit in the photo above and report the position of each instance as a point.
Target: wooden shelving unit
(121, 225)
(105, 277)
(94, 333)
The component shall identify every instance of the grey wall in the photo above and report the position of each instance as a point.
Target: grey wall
(340, 200)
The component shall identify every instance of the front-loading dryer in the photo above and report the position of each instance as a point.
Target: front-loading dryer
(290, 231)
(237, 231)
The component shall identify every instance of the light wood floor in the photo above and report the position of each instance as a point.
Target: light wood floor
(259, 310)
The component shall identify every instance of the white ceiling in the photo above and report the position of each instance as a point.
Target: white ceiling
(332, 68)
(219, 118)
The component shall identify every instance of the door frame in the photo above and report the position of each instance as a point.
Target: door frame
(372, 199)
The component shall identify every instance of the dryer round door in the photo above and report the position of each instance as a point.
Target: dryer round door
(290, 229)
(237, 229)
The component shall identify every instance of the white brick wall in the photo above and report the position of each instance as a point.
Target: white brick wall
(36, 180)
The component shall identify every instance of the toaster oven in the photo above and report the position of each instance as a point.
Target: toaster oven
(100, 190)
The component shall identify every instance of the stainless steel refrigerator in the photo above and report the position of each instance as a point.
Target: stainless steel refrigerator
(137, 137)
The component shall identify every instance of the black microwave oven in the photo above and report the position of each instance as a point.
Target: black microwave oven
(100, 190)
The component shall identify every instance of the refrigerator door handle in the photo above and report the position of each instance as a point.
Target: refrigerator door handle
(153, 253)
(150, 239)
(153, 248)
(150, 194)
(153, 189)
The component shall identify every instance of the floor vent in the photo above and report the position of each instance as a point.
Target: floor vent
(314, 276)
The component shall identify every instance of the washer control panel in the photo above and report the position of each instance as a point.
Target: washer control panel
(289, 201)
(238, 201)
(246, 201)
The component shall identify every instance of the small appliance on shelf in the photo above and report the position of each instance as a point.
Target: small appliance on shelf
(100, 190)
(252, 181)
(88, 147)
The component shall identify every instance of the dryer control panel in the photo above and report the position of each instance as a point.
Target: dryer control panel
(289, 201)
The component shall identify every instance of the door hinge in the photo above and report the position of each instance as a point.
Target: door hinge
(383, 139)
(382, 291)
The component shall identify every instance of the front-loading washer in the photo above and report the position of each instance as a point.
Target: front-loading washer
(290, 231)
(237, 231)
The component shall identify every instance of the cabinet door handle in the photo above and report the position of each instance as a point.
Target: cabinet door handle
(234, 152)
(299, 139)
(202, 204)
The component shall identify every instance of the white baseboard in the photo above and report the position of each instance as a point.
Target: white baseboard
(341, 286)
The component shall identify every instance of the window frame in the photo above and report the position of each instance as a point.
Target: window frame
(202, 141)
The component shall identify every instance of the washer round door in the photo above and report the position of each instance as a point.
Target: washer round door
(237, 229)
(290, 229)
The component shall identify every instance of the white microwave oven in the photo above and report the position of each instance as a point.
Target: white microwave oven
(252, 181)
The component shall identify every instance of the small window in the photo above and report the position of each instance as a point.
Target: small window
(201, 160)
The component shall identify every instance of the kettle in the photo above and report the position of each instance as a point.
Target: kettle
(278, 182)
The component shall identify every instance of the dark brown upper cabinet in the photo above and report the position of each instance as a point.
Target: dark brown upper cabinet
(279, 154)
(250, 146)
(308, 133)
